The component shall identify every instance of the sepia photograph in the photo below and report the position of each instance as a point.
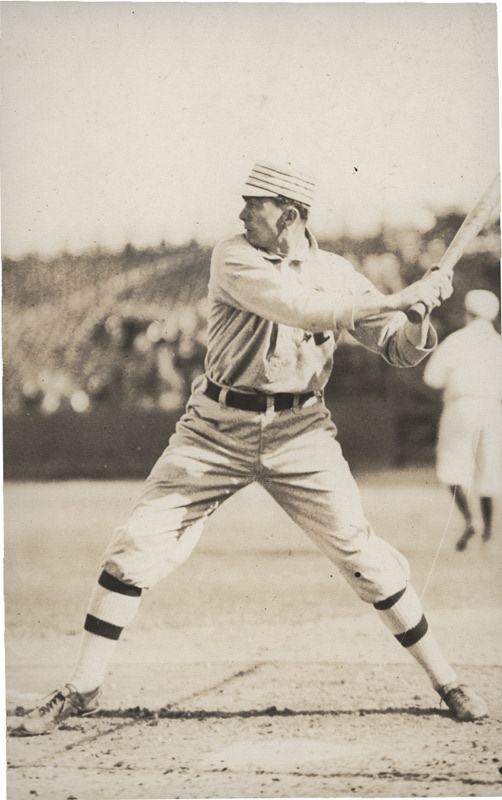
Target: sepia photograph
(252, 400)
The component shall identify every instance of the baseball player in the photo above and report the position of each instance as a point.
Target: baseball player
(467, 367)
(277, 306)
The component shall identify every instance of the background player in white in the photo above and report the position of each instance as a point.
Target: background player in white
(467, 368)
(277, 305)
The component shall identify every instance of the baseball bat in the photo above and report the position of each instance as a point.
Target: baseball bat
(475, 220)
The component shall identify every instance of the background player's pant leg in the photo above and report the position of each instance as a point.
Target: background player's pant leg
(469, 448)
(458, 442)
(489, 456)
(308, 476)
(204, 464)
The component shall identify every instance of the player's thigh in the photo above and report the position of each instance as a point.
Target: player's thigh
(326, 505)
(306, 472)
(458, 443)
(186, 485)
(315, 486)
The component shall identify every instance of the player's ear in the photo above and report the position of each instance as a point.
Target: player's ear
(290, 215)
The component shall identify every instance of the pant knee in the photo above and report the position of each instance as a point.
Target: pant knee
(373, 568)
(143, 557)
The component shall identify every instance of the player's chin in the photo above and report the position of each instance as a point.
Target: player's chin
(255, 239)
(251, 237)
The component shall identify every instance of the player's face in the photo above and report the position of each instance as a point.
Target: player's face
(262, 220)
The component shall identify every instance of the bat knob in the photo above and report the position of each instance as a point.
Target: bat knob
(416, 313)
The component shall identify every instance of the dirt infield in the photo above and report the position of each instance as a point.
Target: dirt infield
(253, 671)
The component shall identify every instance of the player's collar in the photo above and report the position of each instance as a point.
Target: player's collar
(310, 251)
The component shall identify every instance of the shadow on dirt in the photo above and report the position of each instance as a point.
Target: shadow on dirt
(138, 713)
(271, 711)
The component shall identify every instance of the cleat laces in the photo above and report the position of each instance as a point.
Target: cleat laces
(51, 703)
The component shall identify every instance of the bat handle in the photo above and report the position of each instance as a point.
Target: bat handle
(416, 313)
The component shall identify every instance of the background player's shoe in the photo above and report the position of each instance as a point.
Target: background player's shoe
(487, 535)
(467, 534)
(59, 705)
(464, 703)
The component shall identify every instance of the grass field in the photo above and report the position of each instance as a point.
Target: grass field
(253, 671)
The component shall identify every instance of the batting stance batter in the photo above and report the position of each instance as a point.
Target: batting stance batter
(467, 368)
(278, 305)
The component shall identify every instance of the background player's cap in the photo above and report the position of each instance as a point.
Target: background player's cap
(482, 303)
(267, 180)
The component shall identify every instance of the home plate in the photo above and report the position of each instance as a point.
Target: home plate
(280, 755)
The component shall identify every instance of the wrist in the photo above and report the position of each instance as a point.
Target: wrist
(394, 302)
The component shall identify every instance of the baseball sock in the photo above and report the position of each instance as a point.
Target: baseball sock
(113, 605)
(462, 502)
(404, 615)
(487, 514)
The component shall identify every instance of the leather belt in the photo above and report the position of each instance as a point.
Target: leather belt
(282, 401)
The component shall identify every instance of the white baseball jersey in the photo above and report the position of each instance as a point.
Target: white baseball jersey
(467, 367)
(273, 324)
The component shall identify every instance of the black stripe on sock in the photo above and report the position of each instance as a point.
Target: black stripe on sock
(113, 584)
(101, 628)
(413, 635)
(383, 605)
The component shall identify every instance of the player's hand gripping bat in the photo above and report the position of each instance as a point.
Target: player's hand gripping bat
(471, 226)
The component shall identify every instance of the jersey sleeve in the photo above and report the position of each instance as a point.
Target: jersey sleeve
(241, 277)
(385, 333)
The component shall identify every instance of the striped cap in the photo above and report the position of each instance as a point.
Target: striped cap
(267, 180)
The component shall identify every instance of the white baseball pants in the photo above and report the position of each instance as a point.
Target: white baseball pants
(469, 447)
(217, 450)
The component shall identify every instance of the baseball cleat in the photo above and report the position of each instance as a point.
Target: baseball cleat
(467, 534)
(59, 705)
(464, 703)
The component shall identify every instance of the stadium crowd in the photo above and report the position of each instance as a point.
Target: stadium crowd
(133, 334)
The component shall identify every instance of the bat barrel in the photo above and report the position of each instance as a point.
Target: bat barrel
(471, 226)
